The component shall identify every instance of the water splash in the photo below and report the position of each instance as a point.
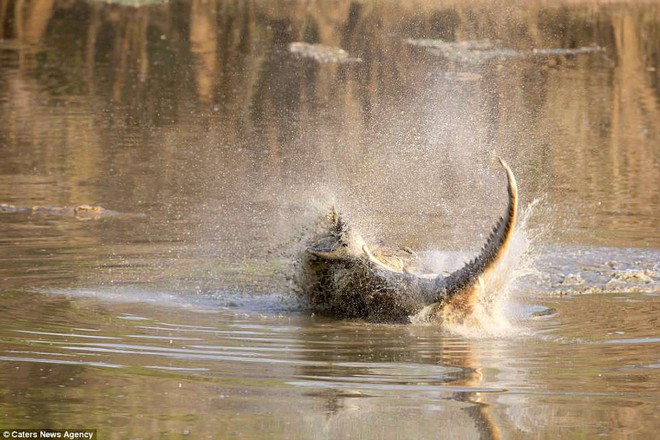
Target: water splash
(495, 313)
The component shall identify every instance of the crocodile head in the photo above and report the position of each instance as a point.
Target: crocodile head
(341, 243)
(345, 244)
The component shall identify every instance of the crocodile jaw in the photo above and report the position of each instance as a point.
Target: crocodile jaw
(349, 246)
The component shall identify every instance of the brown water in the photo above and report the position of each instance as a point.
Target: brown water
(219, 147)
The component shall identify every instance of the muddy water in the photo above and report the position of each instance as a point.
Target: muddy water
(217, 146)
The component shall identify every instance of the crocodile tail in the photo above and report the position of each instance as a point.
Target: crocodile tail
(464, 280)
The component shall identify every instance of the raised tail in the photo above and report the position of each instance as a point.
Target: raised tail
(464, 280)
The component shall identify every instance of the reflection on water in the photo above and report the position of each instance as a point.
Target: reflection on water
(192, 109)
(198, 115)
(191, 364)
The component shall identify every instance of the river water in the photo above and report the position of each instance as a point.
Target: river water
(218, 147)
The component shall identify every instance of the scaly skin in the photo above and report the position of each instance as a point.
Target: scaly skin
(461, 286)
(341, 275)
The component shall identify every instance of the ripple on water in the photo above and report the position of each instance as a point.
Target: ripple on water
(298, 351)
(339, 364)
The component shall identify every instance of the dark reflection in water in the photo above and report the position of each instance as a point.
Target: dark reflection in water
(197, 115)
(416, 361)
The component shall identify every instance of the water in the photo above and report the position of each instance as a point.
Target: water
(219, 148)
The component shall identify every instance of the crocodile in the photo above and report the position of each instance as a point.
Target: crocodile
(321, 53)
(339, 274)
(80, 212)
(478, 51)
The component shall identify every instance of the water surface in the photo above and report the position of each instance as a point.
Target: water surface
(218, 147)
